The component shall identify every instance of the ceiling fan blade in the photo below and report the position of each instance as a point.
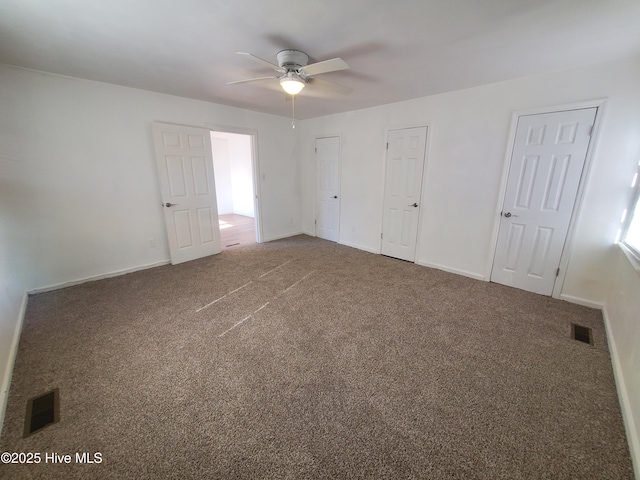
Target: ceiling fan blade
(263, 61)
(251, 80)
(326, 66)
(327, 86)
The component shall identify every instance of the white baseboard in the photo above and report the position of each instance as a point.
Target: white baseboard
(359, 247)
(457, 271)
(116, 273)
(581, 301)
(627, 414)
(8, 373)
(280, 237)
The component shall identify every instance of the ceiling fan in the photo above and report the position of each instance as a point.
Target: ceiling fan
(295, 74)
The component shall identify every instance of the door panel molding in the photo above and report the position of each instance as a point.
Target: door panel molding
(600, 105)
(328, 152)
(185, 174)
(405, 166)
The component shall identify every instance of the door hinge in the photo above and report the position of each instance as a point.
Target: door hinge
(315, 222)
(316, 149)
(590, 131)
(387, 145)
(380, 235)
(558, 271)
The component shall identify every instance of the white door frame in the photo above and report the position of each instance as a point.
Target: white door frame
(255, 167)
(584, 178)
(424, 178)
(315, 202)
(383, 183)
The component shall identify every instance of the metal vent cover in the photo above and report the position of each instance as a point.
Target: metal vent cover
(582, 334)
(42, 411)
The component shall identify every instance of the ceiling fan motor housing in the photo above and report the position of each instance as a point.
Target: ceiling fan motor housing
(292, 59)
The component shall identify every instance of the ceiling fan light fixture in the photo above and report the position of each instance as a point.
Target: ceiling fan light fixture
(292, 83)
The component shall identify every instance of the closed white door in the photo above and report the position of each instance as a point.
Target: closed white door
(328, 188)
(548, 157)
(403, 191)
(185, 171)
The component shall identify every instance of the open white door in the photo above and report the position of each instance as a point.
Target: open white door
(328, 188)
(549, 154)
(185, 172)
(402, 192)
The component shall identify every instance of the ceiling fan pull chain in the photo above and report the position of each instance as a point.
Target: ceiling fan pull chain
(293, 111)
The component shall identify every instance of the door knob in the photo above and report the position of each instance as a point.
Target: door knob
(335, 196)
(508, 214)
(170, 204)
(413, 205)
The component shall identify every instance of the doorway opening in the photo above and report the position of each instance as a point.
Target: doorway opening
(234, 169)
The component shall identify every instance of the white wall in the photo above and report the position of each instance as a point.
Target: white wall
(79, 195)
(222, 172)
(234, 173)
(468, 133)
(13, 301)
(622, 314)
(467, 142)
(241, 174)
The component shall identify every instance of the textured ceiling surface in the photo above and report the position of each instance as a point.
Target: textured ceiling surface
(396, 50)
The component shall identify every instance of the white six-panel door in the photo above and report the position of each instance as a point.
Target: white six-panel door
(328, 188)
(185, 171)
(403, 191)
(548, 157)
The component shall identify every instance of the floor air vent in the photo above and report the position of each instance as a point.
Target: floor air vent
(582, 334)
(41, 412)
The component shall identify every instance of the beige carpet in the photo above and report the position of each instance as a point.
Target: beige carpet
(302, 358)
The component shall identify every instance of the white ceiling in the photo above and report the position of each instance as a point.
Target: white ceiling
(397, 49)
